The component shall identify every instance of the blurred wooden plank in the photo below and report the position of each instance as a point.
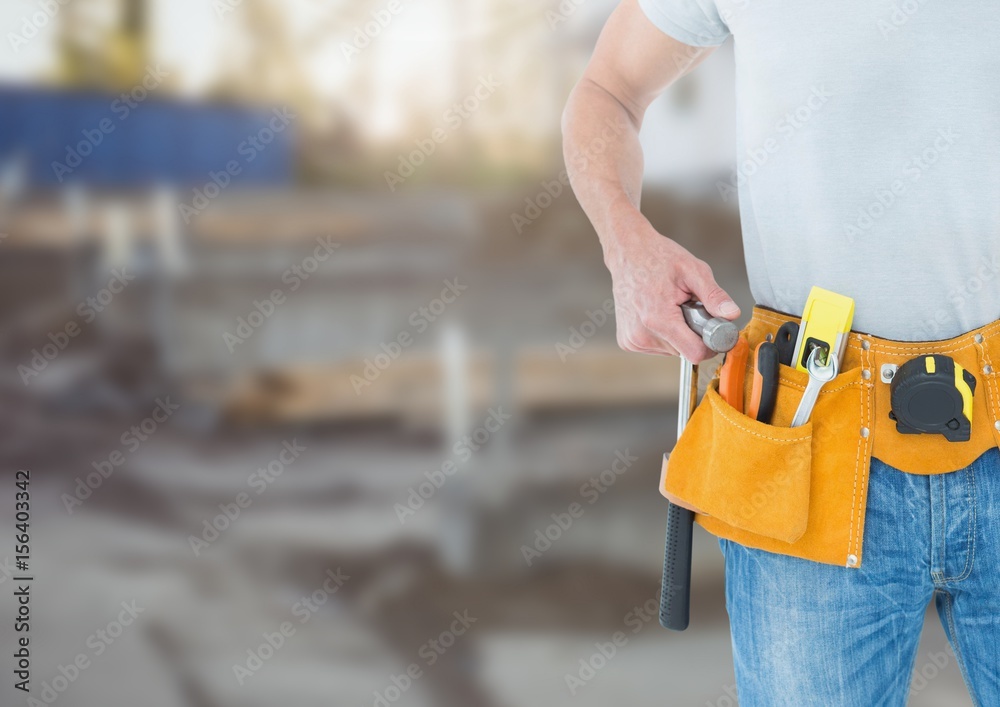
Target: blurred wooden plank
(594, 377)
(245, 217)
(412, 387)
(409, 387)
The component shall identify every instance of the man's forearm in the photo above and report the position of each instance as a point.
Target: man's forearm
(651, 276)
(604, 161)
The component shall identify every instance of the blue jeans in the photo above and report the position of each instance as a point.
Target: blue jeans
(806, 633)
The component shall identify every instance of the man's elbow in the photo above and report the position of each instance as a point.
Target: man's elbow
(574, 103)
(591, 96)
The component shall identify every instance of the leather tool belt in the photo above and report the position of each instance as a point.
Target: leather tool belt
(802, 491)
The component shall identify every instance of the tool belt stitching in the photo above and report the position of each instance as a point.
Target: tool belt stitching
(917, 348)
(799, 386)
(726, 415)
(863, 452)
(991, 334)
(985, 359)
(854, 490)
(995, 389)
(768, 317)
(988, 332)
(991, 384)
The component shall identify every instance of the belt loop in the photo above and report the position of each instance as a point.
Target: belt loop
(862, 468)
(989, 384)
(867, 393)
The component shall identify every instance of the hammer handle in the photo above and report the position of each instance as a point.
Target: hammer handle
(675, 592)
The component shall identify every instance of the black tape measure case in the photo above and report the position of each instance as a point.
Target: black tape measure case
(933, 395)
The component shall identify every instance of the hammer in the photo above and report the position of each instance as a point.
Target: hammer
(720, 335)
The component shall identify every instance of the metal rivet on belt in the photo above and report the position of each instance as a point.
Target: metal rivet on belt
(997, 424)
(866, 374)
(852, 560)
(865, 344)
(987, 369)
(864, 432)
(979, 338)
(888, 371)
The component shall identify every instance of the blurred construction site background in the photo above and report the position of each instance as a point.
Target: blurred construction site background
(310, 354)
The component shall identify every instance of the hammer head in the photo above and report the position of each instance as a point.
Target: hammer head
(719, 334)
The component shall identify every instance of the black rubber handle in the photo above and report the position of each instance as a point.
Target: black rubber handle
(675, 594)
(785, 340)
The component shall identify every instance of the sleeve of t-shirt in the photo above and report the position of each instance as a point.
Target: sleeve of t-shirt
(693, 22)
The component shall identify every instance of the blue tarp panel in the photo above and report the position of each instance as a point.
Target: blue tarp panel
(158, 141)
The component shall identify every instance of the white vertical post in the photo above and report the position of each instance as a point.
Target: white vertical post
(458, 517)
(167, 230)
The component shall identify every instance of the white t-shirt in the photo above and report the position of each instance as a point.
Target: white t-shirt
(868, 162)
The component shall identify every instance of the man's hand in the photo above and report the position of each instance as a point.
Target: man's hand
(652, 277)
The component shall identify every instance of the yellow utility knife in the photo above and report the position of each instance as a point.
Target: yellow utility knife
(826, 321)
